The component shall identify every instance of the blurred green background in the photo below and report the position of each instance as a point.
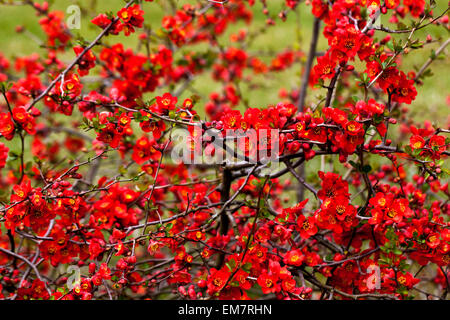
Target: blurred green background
(431, 102)
(295, 33)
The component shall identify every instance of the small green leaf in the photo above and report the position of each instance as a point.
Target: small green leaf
(367, 168)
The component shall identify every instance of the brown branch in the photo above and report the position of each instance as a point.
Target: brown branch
(430, 60)
(300, 179)
(224, 197)
(332, 87)
(77, 59)
(309, 62)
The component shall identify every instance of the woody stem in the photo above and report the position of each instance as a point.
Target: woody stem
(227, 178)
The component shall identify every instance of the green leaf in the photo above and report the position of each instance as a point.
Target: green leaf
(433, 54)
(416, 45)
(390, 45)
(354, 164)
(355, 98)
(5, 86)
(152, 101)
(231, 265)
(247, 267)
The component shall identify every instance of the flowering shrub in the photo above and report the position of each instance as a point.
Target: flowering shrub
(91, 180)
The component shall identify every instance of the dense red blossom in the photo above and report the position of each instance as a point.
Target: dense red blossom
(93, 179)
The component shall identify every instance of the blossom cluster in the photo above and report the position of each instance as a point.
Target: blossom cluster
(88, 182)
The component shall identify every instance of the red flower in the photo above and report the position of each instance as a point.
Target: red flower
(101, 20)
(232, 119)
(241, 278)
(433, 240)
(6, 126)
(339, 116)
(404, 91)
(381, 200)
(217, 280)
(437, 143)
(392, 4)
(339, 207)
(36, 291)
(345, 43)
(332, 186)
(416, 142)
(394, 213)
(144, 150)
(55, 28)
(354, 128)
(109, 135)
(319, 8)
(3, 155)
(297, 209)
(20, 114)
(131, 17)
(294, 258)
(86, 62)
(288, 284)
(416, 7)
(325, 67)
(21, 191)
(406, 279)
(268, 283)
(72, 86)
(307, 226)
(166, 102)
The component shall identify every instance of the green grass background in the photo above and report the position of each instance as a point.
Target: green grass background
(295, 32)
